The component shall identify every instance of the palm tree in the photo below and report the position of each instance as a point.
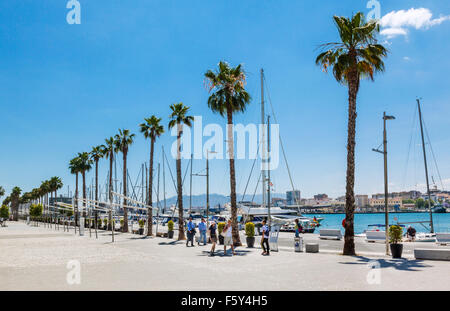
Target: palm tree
(122, 141)
(356, 56)
(55, 183)
(74, 166)
(109, 151)
(109, 154)
(15, 196)
(97, 153)
(179, 118)
(151, 129)
(44, 189)
(85, 164)
(229, 96)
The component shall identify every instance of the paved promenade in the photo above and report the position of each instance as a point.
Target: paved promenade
(36, 258)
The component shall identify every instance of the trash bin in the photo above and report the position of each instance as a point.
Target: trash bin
(298, 245)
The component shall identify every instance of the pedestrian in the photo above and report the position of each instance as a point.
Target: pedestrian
(190, 232)
(265, 239)
(213, 237)
(228, 238)
(202, 229)
(298, 228)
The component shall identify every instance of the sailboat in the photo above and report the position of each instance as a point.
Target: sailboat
(281, 217)
(431, 236)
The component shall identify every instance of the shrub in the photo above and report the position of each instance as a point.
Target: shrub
(395, 234)
(4, 212)
(250, 229)
(121, 223)
(220, 227)
(36, 210)
(69, 213)
(105, 221)
(170, 225)
(141, 223)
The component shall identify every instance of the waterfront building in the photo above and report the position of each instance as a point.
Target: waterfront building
(395, 203)
(362, 200)
(321, 197)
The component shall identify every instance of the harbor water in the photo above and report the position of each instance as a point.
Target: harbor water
(334, 221)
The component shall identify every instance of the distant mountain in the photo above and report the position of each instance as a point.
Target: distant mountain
(215, 199)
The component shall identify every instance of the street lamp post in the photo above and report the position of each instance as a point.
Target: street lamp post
(207, 184)
(386, 190)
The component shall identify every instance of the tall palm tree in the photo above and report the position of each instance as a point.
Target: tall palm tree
(74, 166)
(109, 151)
(96, 154)
(179, 118)
(15, 196)
(109, 154)
(356, 56)
(85, 164)
(151, 129)
(229, 96)
(122, 142)
(44, 189)
(55, 183)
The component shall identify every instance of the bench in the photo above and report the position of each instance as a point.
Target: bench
(443, 238)
(334, 234)
(375, 236)
(432, 254)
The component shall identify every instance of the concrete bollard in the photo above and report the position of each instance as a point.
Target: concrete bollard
(312, 248)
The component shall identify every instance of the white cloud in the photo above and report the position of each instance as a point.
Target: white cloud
(406, 59)
(396, 23)
(393, 32)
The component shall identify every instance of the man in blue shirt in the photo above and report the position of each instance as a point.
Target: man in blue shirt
(202, 229)
(190, 232)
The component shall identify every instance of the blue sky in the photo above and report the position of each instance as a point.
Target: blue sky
(64, 88)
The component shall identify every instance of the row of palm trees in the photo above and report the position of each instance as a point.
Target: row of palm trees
(228, 96)
(38, 195)
(356, 56)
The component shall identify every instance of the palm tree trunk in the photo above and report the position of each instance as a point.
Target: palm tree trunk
(76, 199)
(83, 174)
(150, 187)
(111, 159)
(349, 242)
(125, 210)
(181, 235)
(234, 224)
(96, 194)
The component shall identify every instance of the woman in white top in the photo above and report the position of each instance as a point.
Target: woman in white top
(228, 238)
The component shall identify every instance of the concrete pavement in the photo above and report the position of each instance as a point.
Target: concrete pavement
(37, 258)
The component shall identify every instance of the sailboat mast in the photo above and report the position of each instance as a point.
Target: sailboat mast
(263, 158)
(268, 169)
(426, 167)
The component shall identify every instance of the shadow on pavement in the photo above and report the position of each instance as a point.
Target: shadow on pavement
(220, 253)
(175, 242)
(398, 264)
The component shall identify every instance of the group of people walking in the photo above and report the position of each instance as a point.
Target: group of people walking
(226, 233)
(202, 227)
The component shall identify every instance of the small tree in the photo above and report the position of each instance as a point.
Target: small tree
(395, 234)
(4, 212)
(250, 229)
